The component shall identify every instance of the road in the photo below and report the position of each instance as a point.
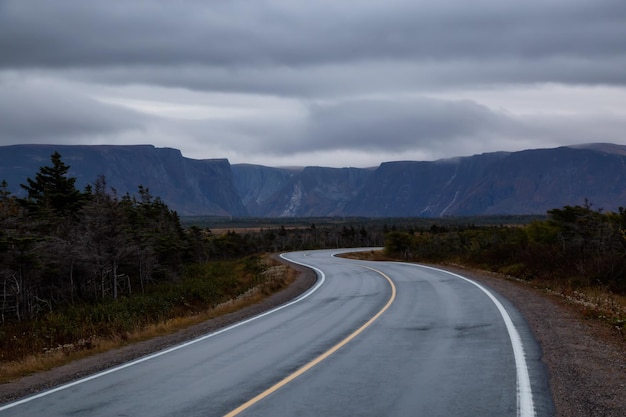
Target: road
(370, 339)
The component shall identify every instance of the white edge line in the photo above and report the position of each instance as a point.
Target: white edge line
(525, 404)
(320, 282)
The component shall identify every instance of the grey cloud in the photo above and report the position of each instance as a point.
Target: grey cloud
(577, 129)
(386, 77)
(367, 65)
(34, 112)
(317, 49)
(371, 125)
(399, 124)
(237, 33)
(433, 126)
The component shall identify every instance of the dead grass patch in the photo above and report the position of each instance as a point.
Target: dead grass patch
(277, 277)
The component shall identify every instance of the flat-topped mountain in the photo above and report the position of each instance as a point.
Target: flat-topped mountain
(186, 185)
(525, 182)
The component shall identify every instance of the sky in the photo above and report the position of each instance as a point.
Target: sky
(327, 83)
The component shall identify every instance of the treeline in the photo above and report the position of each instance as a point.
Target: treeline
(60, 246)
(576, 244)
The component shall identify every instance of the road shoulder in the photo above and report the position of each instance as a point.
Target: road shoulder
(586, 359)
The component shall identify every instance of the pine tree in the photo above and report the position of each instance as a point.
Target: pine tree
(8, 206)
(52, 192)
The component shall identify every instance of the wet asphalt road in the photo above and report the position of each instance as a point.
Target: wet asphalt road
(440, 347)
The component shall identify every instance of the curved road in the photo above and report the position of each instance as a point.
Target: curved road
(370, 339)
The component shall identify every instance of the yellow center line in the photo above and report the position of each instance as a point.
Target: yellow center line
(320, 358)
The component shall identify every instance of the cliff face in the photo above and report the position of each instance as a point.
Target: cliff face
(424, 189)
(257, 184)
(185, 185)
(316, 191)
(527, 182)
(537, 180)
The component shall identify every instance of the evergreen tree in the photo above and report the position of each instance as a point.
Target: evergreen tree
(104, 238)
(8, 206)
(52, 192)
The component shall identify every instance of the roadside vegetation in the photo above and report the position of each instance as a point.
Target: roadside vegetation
(576, 252)
(83, 271)
(80, 270)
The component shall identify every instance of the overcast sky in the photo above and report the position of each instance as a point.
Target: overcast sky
(329, 83)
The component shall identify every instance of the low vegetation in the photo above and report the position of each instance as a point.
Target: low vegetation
(577, 252)
(205, 291)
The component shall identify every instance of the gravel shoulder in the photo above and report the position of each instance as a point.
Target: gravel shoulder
(586, 359)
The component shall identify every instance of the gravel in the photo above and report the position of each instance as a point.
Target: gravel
(586, 358)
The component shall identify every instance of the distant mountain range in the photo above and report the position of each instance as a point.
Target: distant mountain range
(526, 182)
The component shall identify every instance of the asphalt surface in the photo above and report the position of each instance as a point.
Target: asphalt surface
(376, 339)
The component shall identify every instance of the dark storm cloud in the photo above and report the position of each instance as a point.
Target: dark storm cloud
(37, 112)
(269, 38)
(313, 77)
(433, 126)
(370, 125)
(365, 77)
(398, 125)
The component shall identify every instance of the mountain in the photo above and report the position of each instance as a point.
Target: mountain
(529, 181)
(525, 182)
(186, 185)
(420, 189)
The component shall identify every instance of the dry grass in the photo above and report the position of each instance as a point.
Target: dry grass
(255, 229)
(373, 255)
(278, 277)
(594, 303)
